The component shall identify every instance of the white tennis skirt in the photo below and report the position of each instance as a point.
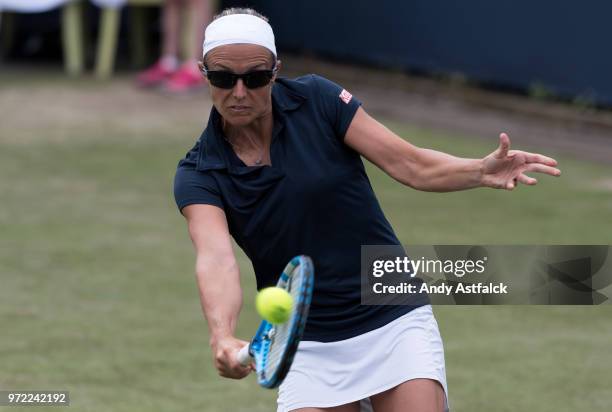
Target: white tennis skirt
(336, 373)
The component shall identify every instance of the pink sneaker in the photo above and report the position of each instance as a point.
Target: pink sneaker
(154, 76)
(184, 80)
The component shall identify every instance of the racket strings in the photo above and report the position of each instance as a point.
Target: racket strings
(294, 285)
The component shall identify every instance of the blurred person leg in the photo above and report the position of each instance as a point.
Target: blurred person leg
(168, 63)
(188, 76)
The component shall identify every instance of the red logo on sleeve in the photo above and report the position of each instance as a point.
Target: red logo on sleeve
(345, 96)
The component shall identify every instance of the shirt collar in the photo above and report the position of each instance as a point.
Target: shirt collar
(286, 96)
(212, 156)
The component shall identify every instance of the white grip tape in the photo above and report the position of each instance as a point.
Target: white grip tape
(243, 356)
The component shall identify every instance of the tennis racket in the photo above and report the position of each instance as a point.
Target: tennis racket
(273, 346)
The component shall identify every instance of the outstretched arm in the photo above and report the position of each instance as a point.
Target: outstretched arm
(430, 170)
(219, 284)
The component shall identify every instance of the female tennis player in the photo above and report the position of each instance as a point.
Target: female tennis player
(278, 168)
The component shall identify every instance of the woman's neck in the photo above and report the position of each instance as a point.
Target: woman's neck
(259, 131)
(251, 142)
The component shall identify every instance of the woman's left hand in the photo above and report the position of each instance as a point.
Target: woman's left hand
(504, 168)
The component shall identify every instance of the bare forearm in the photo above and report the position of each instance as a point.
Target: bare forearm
(220, 296)
(440, 172)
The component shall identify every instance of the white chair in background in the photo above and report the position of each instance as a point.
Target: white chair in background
(72, 26)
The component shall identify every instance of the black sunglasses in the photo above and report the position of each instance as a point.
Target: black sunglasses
(226, 80)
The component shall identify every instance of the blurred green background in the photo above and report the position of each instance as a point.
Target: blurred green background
(97, 291)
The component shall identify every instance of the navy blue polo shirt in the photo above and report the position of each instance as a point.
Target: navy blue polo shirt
(315, 199)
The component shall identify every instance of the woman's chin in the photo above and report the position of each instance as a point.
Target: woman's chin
(240, 119)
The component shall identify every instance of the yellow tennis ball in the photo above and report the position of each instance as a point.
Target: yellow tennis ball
(274, 305)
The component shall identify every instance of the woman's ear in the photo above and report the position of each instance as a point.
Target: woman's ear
(278, 67)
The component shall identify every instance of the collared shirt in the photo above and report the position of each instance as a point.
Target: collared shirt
(314, 199)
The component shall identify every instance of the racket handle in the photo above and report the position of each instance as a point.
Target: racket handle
(244, 357)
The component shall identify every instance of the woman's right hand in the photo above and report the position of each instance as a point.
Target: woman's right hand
(225, 354)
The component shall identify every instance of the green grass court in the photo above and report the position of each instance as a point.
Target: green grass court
(97, 292)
